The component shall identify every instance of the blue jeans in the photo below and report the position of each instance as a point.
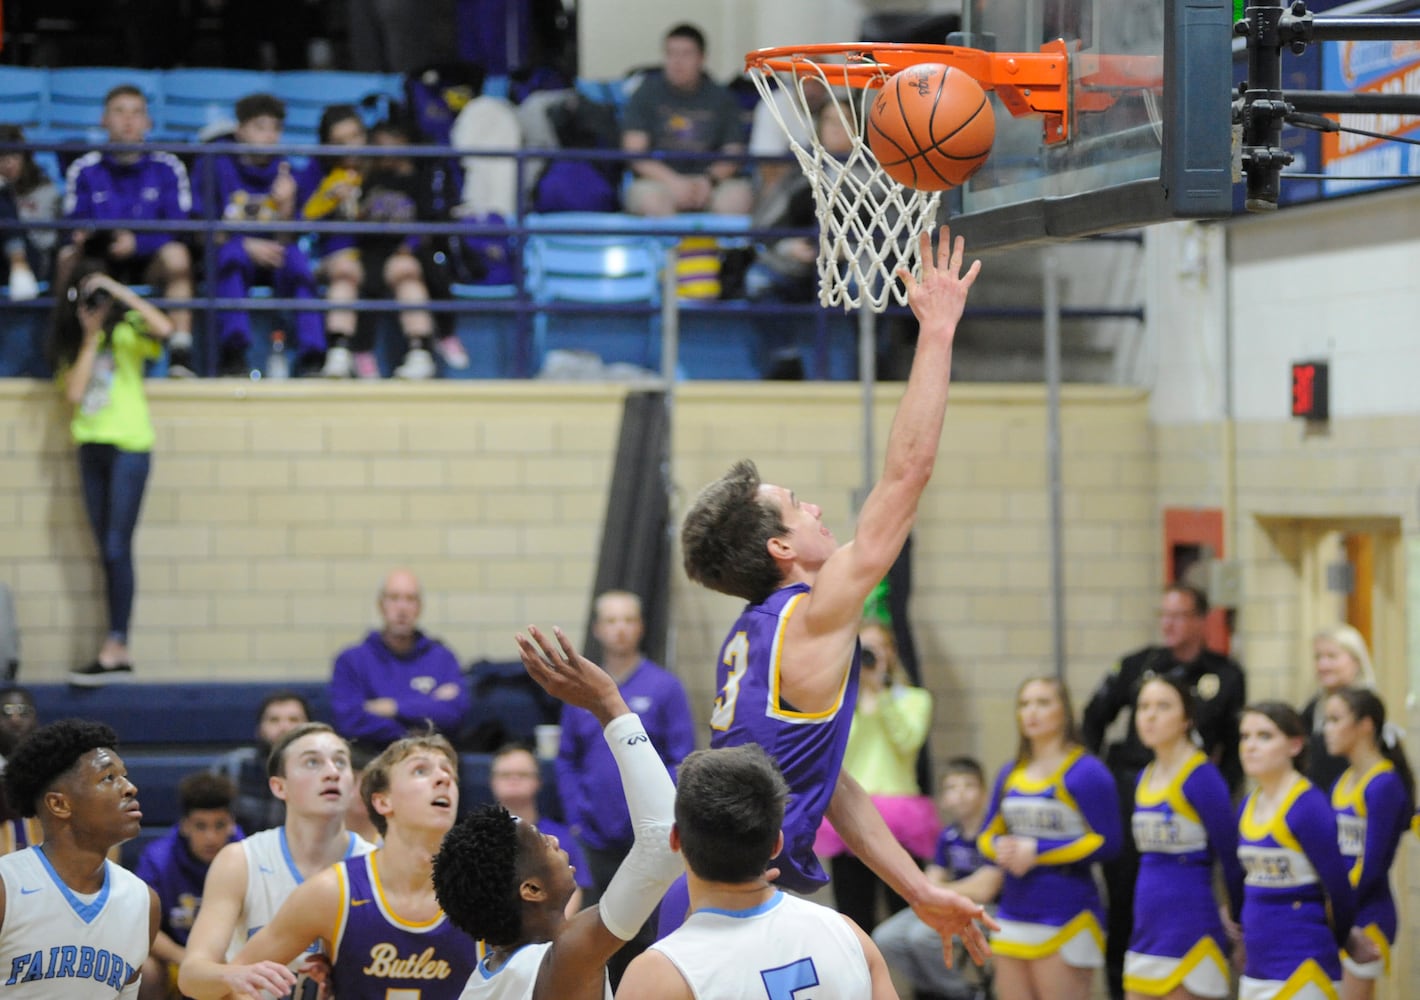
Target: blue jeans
(113, 482)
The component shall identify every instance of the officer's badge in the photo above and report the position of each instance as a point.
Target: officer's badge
(1208, 686)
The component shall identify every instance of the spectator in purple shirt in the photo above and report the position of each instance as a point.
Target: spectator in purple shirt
(600, 822)
(399, 680)
(103, 190)
(261, 187)
(176, 868)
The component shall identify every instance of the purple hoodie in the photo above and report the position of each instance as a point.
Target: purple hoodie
(373, 670)
(153, 188)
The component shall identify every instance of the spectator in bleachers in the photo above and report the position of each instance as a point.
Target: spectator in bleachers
(516, 780)
(104, 189)
(398, 680)
(249, 880)
(261, 187)
(332, 185)
(18, 719)
(767, 136)
(681, 110)
(27, 194)
(585, 765)
(396, 190)
(176, 868)
(256, 808)
(101, 335)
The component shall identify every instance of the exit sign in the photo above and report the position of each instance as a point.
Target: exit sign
(1311, 398)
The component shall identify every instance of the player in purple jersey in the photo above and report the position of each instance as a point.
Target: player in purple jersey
(788, 671)
(1373, 800)
(390, 936)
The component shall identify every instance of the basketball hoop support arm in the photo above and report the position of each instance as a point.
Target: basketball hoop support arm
(1268, 25)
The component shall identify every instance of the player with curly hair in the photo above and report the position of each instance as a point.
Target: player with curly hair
(85, 921)
(504, 882)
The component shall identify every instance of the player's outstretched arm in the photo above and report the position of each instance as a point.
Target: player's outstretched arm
(937, 300)
(861, 826)
(575, 965)
(205, 973)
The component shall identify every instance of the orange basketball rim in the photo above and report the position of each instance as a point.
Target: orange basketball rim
(1026, 82)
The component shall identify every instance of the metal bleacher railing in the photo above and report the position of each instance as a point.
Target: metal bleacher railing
(688, 338)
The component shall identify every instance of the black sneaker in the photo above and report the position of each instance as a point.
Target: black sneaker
(233, 363)
(98, 675)
(180, 363)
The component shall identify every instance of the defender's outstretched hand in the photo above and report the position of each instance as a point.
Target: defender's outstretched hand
(950, 913)
(569, 676)
(939, 296)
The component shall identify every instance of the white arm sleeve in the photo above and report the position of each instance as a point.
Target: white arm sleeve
(650, 868)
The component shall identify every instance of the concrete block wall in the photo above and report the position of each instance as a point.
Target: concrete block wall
(273, 511)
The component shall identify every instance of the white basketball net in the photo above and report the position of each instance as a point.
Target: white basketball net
(869, 224)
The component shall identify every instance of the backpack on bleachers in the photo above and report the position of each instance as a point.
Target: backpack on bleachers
(506, 705)
(581, 185)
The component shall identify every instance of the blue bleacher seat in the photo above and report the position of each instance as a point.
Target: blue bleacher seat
(600, 270)
(193, 99)
(490, 338)
(76, 95)
(475, 788)
(308, 93)
(24, 93)
(219, 715)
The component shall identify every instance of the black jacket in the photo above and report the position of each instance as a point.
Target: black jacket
(1219, 690)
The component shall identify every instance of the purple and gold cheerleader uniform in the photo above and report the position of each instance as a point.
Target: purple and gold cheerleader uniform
(1293, 872)
(376, 954)
(1371, 817)
(1073, 815)
(1181, 830)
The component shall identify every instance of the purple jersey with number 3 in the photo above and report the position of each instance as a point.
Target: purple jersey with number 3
(808, 746)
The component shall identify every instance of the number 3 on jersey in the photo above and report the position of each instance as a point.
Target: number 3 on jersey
(737, 659)
(782, 983)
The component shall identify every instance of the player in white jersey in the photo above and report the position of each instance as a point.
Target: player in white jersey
(247, 883)
(744, 937)
(72, 923)
(503, 882)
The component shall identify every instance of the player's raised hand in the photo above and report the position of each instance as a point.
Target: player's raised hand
(952, 914)
(568, 675)
(939, 296)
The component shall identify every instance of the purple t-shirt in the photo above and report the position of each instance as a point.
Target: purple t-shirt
(177, 876)
(588, 781)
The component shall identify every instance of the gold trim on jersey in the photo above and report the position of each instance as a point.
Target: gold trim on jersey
(775, 710)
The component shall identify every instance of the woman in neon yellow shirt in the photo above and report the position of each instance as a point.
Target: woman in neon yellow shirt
(101, 336)
(890, 723)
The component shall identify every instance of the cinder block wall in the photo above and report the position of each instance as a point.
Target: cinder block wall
(273, 511)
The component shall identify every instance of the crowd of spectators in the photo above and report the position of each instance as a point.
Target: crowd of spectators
(674, 119)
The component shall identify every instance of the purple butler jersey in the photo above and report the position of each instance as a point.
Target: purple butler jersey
(378, 954)
(807, 746)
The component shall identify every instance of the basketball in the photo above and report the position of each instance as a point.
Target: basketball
(931, 127)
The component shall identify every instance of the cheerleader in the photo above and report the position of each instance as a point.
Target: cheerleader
(1373, 800)
(1054, 813)
(1298, 905)
(1183, 823)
